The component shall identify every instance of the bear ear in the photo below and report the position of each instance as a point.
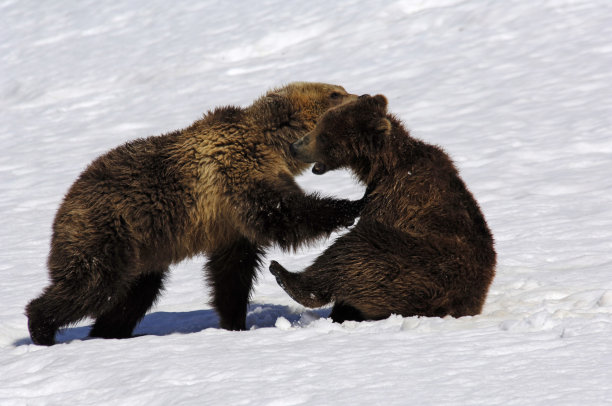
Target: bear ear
(380, 100)
(383, 126)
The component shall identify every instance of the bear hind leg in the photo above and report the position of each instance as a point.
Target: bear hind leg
(41, 325)
(306, 287)
(54, 309)
(120, 320)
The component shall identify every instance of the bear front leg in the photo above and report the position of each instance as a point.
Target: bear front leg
(230, 272)
(342, 312)
(300, 286)
(281, 213)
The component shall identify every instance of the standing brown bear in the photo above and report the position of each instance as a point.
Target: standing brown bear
(422, 246)
(223, 186)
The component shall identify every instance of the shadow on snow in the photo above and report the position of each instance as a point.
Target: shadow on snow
(166, 323)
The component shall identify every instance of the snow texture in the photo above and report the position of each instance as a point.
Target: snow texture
(518, 92)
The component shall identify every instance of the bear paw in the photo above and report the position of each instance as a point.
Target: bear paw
(277, 269)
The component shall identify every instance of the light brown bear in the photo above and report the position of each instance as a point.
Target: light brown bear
(421, 247)
(223, 186)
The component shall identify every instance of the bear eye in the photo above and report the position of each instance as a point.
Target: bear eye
(335, 95)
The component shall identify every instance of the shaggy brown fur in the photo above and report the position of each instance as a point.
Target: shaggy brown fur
(422, 246)
(223, 186)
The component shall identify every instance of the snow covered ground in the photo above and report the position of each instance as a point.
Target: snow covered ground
(518, 92)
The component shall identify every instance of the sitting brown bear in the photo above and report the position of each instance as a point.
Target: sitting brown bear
(422, 246)
(223, 186)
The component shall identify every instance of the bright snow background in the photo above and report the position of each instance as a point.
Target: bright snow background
(518, 92)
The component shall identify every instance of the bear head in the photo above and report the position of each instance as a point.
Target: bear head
(305, 102)
(345, 134)
(287, 113)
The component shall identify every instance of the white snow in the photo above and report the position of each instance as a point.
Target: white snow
(518, 92)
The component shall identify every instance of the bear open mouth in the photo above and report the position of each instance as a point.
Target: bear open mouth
(319, 168)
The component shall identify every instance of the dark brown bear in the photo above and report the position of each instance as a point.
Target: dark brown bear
(223, 186)
(422, 246)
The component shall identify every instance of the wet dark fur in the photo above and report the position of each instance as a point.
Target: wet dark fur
(421, 247)
(223, 186)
